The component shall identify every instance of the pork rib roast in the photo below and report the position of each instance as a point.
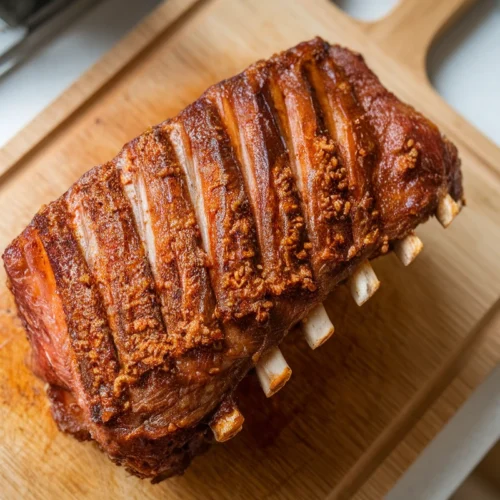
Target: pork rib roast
(158, 280)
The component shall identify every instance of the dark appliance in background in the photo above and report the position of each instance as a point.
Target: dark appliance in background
(26, 24)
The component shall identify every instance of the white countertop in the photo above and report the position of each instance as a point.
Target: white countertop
(30, 87)
(464, 67)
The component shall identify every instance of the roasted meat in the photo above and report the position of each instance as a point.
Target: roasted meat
(158, 280)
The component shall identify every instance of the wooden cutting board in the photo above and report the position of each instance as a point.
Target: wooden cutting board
(417, 349)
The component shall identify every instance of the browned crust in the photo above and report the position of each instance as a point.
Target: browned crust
(324, 180)
(295, 171)
(233, 250)
(181, 276)
(31, 281)
(122, 273)
(87, 323)
(250, 117)
(357, 148)
(416, 166)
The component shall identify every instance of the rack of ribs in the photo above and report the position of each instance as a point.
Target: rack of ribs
(158, 280)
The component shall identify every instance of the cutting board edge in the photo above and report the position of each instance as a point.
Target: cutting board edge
(23, 144)
(472, 371)
(163, 21)
(417, 407)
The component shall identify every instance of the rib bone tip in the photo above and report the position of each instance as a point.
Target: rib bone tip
(317, 327)
(447, 210)
(408, 249)
(273, 371)
(226, 426)
(363, 283)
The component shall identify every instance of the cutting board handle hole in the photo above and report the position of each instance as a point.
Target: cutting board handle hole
(464, 62)
(366, 10)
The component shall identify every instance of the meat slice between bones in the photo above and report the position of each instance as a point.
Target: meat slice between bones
(155, 284)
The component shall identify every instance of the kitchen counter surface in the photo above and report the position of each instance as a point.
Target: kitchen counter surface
(463, 67)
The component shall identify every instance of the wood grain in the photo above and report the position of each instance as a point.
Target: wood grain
(87, 87)
(475, 369)
(418, 21)
(349, 403)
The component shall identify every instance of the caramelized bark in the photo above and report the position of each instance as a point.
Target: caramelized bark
(322, 178)
(208, 238)
(118, 265)
(172, 237)
(356, 145)
(32, 282)
(416, 166)
(250, 118)
(231, 241)
(91, 342)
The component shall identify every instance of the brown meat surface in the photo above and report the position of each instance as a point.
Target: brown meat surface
(154, 284)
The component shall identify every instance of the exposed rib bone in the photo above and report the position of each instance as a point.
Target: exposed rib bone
(447, 210)
(317, 327)
(226, 426)
(408, 249)
(273, 371)
(363, 283)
